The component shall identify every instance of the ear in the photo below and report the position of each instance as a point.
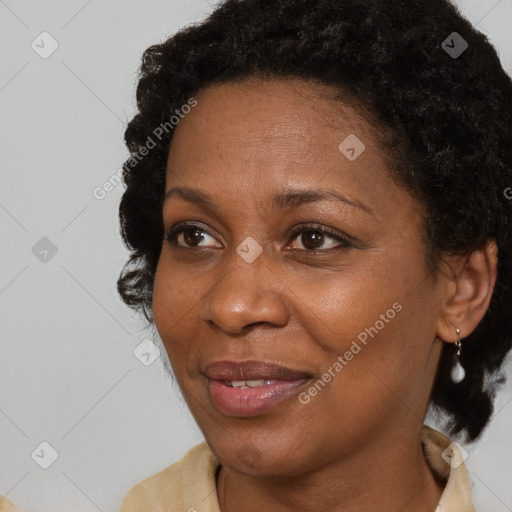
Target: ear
(469, 284)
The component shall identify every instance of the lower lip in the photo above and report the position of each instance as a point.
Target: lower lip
(250, 402)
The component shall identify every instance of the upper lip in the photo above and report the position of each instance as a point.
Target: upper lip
(251, 370)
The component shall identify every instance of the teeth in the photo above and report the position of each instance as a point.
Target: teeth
(249, 384)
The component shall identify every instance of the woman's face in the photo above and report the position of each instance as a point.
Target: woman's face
(300, 267)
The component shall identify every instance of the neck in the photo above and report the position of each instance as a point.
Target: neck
(394, 474)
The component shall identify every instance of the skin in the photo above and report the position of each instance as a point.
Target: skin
(356, 443)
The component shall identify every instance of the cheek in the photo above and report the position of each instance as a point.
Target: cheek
(349, 303)
(174, 307)
(373, 328)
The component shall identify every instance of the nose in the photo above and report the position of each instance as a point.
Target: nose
(245, 294)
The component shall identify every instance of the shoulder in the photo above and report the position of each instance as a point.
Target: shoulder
(7, 506)
(182, 485)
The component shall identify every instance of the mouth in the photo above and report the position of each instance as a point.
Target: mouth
(252, 387)
(249, 384)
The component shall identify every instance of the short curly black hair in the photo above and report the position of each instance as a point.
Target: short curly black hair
(449, 120)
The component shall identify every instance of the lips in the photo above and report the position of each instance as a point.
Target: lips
(252, 387)
(251, 370)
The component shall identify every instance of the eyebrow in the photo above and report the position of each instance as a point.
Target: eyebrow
(287, 199)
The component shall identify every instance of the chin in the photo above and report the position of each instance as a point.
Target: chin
(254, 456)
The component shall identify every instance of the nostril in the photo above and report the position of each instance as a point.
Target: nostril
(248, 327)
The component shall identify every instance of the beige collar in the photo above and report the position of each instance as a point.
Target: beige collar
(446, 461)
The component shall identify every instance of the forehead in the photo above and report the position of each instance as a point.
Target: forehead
(269, 128)
(286, 106)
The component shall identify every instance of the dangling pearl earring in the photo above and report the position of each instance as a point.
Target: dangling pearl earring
(458, 372)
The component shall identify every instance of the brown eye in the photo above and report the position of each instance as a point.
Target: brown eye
(190, 236)
(319, 239)
(312, 240)
(193, 236)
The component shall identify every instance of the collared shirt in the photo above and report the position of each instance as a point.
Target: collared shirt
(189, 485)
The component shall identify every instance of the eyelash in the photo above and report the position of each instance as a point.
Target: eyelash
(344, 240)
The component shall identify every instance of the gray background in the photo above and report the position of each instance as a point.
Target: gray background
(68, 373)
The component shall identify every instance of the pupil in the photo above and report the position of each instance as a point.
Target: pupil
(193, 236)
(312, 239)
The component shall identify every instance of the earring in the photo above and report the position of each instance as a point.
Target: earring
(458, 372)
(458, 343)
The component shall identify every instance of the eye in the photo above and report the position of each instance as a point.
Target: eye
(191, 235)
(309, 238)
(319, 238)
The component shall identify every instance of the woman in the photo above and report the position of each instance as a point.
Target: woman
(320, 233)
